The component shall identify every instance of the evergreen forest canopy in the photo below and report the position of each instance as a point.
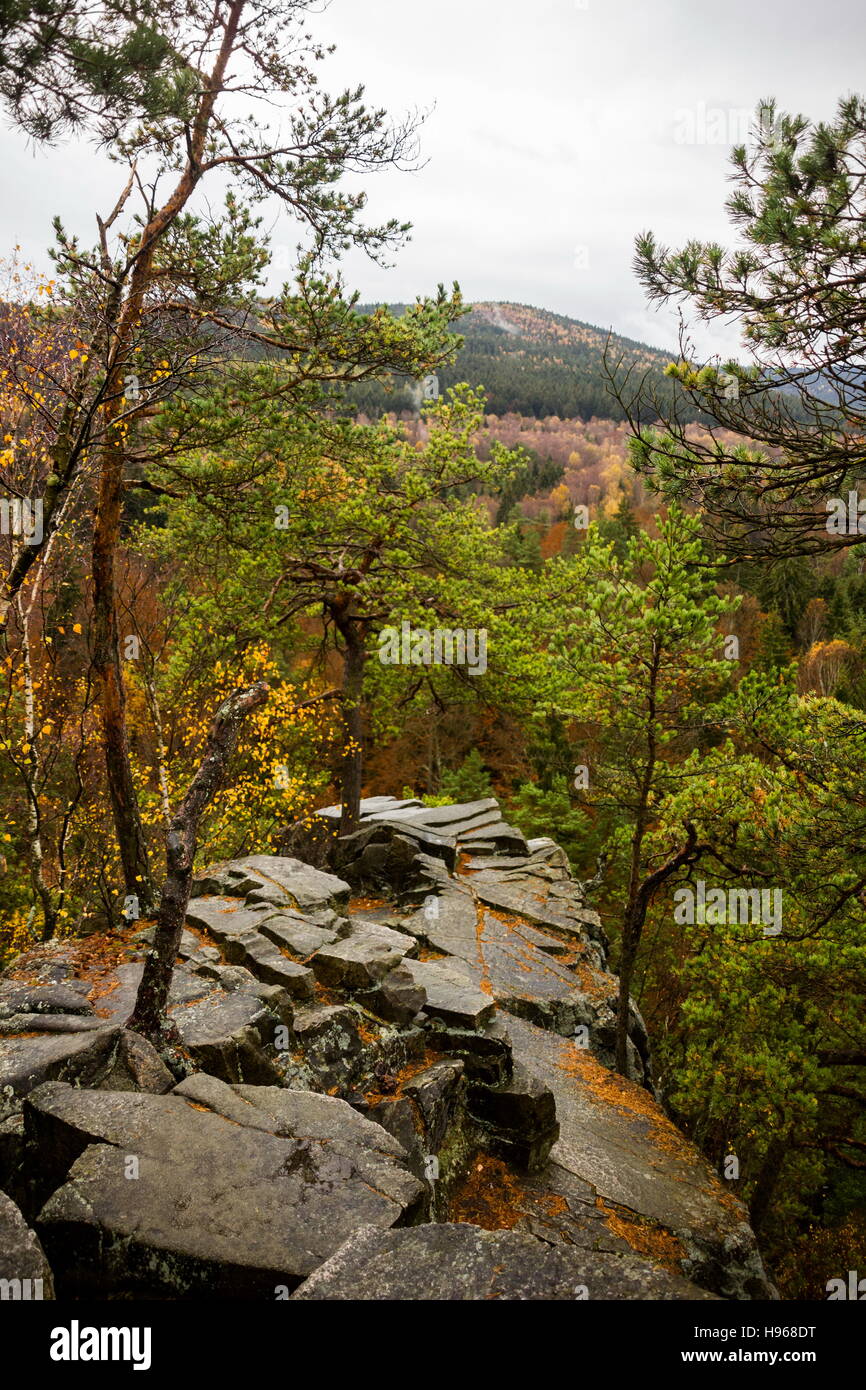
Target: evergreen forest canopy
(531, 362)
(216, 501)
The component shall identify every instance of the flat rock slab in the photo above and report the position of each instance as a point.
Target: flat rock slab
(296, 884)
(24, 1270)
(46, 1023)
(301, 938)
(364, 929)
(371, 805)
(513, 957)
(60, 999)
(614, 1137)
(498, 862)
(266, 962)
(447, 919)
(25, 1062)
(218, 1209)
(456, 814)
(356, 963)
(452, 821)
(115, 997)
(456, 1261)
(287, 1113)
(450, 995)
(533, 903)
(511, 960)
(495, 836)
(225, 1034)
(271, 877)
(224, 1031)
(225, 918)
(438, 842)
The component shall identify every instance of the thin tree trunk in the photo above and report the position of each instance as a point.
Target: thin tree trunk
(633, 919)
(434, 757)
(109, 673)
(632, 930)
(628, 953)
(41, 891)
(149, 1014)
(352, 770)
(156, 715)
(125, 320)
(51, 901)
(766, 1183)
(65, 470)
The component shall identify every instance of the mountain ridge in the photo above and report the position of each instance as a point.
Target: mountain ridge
(529, 361)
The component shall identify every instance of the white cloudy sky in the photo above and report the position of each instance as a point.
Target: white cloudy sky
(558, 132)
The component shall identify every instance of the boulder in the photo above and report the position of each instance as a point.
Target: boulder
(485, 1052)
(225, 918)
(25, 1062)
(24, 1271)
(295, 935)
(246, 1213)
(330, 1042)
(450, 996)
(267, 963)
(356, 963)
(396, 998)
(276, 879)
(42, 999)
(291, 1114)
(519, 1118)
(383, 847)
(227, 1035)
(436, 1091)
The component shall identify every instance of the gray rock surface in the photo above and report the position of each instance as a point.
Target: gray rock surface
(356, 963)
(614, 1138)
(276, 879)
(456, 1261)
(450, 996)
(24, 1271)
(25, 1062)
(247, 1210)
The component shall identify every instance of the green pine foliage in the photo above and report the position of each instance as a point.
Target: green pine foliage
(471, 781)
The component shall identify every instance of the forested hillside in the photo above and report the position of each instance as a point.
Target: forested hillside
(530, 362)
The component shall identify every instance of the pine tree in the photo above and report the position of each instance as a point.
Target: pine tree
(470, 782)
(795, 285)
(639, 656)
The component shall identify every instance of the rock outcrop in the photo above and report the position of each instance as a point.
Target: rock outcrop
(395, 1081)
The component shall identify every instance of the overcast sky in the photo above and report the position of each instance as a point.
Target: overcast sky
(559, 129)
